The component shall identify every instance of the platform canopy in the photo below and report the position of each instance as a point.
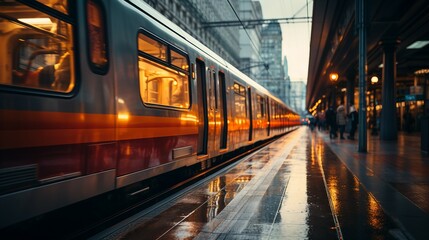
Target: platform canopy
(334, 42)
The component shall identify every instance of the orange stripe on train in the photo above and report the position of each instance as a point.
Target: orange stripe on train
(34, 129)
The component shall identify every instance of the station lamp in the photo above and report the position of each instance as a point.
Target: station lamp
(333, 77)
(374, 79)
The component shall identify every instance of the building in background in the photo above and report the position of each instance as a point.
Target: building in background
(271, 52)
(287, 81)
(190, 16)
(297, 96)
(251, 62)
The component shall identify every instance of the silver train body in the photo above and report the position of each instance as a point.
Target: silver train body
(98, 95)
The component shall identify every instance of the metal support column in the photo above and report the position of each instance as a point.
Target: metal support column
(360, 9)
(388, 123)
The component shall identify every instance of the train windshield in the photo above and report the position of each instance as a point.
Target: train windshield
(37, 48)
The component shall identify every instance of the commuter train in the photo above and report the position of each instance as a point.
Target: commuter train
(98, 95)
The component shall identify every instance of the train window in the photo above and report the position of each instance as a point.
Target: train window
(163, 81)
(240, 100)
(236, 88)
(153, 47)
(162, 85)
(38, 47)
(179, 60)
(260, 107)
(239, 89)
(97, 37)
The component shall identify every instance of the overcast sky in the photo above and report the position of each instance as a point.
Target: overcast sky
(296, 36)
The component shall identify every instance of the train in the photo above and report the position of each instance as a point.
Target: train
(98, 95)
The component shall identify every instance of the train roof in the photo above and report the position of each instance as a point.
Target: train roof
(161, 19)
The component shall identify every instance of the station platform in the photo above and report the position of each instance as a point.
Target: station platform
(395, 173)
(302, 186)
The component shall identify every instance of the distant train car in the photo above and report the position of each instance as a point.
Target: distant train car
(98, 95)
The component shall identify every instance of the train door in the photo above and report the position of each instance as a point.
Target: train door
(214, 118)
(203, 121)
(249, 97)
(268, 117)
(223, 116)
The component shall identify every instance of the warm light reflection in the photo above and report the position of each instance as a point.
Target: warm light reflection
(332, 181)
(121, 101)
(189, 118)
(243, 179)
(127, 151)
(214, 185)
(212, 203)
(220, 195)
(123, 116)
(374, 218)
(295, 204)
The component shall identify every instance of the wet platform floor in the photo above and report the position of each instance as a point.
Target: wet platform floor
(295, 188)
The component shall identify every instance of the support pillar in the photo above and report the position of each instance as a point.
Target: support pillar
(388, 119)
(361, 17)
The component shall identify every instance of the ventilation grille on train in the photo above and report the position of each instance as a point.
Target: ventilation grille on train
(16, 177)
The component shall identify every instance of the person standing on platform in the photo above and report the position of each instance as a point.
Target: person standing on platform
(408, 120)
(331, 122)
(341, 119)
(354, 119)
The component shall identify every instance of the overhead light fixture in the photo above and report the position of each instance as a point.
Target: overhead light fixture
(418, 44)
(422, 72)
(36, 21)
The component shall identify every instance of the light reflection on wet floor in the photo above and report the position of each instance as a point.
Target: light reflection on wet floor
(286, 198)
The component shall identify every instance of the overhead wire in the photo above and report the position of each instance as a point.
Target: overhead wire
(244, 28)
(302, 8)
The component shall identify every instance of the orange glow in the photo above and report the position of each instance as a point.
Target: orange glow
(373, 213)
(123, 116)
(189, 118)
(333, 77)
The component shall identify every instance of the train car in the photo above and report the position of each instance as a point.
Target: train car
(99, 95)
